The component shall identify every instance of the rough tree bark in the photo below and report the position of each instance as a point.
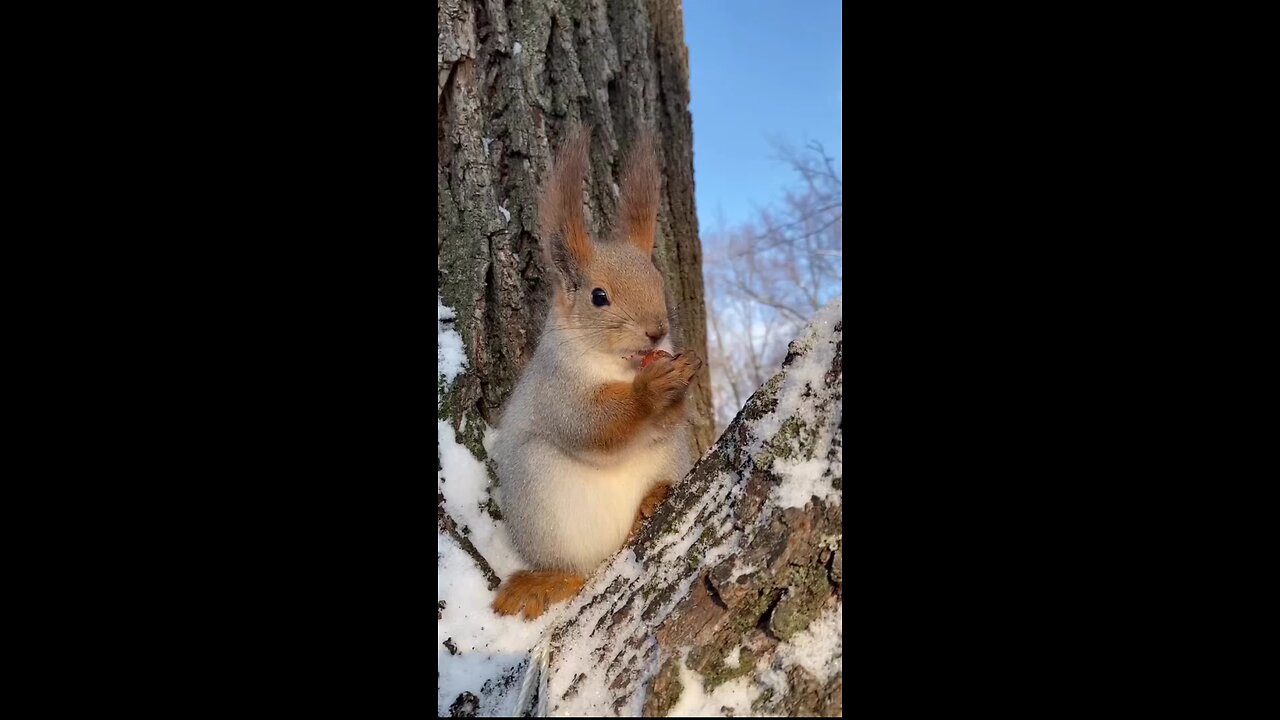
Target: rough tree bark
(733, 570)
(513, 77)
(741, 562)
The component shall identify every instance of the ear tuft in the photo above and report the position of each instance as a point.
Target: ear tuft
(560, 219)
(638, 213)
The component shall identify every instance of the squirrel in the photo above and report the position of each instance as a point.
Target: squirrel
(591, 440)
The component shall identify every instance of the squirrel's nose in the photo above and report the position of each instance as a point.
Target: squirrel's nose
(655, 332)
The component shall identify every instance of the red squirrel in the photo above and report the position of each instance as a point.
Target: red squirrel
(590, 440)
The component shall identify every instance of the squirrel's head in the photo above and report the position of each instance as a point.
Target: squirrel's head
(609, 296)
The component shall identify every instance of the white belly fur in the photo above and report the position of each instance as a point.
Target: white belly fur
(571, 513)
(574, 512)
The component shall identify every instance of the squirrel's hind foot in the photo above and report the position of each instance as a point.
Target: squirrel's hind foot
(648, 506)
(535, 591)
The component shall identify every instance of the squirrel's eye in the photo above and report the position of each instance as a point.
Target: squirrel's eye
(598, 298)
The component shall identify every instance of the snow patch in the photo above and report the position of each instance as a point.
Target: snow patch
(695, 701)
(802, 388)
(741, 569)
(580, 664)
(579, 653)
(494, 654)
(491, 650)
(465, 484)
(451, 359)
(818, 648)
(803, 481)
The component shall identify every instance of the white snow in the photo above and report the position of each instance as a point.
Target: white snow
(594, 696)
(489, 646)
(802, 388)
(818, 648)
(804, 480)
(465, 485)
(695, 701)
(581, 654)
(741, 569)
(506, 214)
(515, 49)
(492, 649)
(450, 357)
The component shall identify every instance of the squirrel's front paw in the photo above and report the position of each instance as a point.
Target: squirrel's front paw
(666, 379)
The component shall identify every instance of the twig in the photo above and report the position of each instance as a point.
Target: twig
(446, 524)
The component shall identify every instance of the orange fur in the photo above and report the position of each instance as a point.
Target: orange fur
(616, 414)
(672, 415)
(619, 408)
(648, 506)
(564, 231)
(665, 381)
(535, 591)
(638, 213)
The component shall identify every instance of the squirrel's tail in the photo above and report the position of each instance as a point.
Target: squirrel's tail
(536, 590)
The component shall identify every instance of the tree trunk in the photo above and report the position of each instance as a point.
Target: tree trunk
(729, 600)
(728, 594)
(513, 79)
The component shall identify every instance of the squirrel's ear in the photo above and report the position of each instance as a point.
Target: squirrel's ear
(638, 213)
(564, 232)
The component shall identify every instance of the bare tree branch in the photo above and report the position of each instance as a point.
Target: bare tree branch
(769, 275)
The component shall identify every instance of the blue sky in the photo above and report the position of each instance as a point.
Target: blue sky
(759, 69)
